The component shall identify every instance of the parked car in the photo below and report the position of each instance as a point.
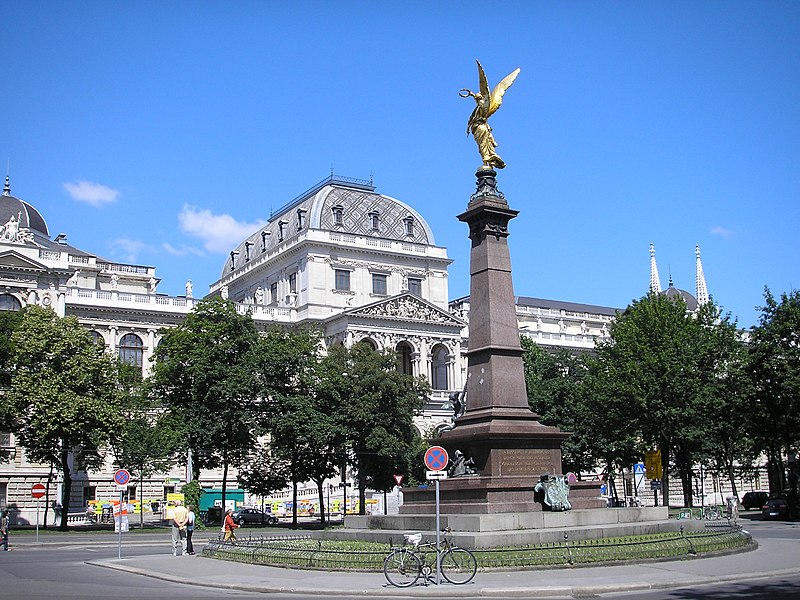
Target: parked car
(253, 516)
(754, 500)
(775, 508)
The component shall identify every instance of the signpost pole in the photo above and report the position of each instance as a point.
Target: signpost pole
(119, 544)
(37, 519)
(438, 533)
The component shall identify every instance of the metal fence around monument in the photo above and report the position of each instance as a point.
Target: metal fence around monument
(306, 552)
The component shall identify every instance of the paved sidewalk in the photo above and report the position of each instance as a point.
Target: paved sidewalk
(773, 558)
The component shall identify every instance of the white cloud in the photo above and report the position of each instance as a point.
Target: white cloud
(218, 233)
(92, 193)
(722, 232)
(183, 250)
(130, 249)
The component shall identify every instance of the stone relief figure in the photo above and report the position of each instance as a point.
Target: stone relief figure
(8, 232)
(583, 326)
(487, 104)
(562, 326)
(223, 291)
(189, 288)
(114, 281)
(539, 323)
(556, 492)
(73, 280)
(259, 295)
(153, 285)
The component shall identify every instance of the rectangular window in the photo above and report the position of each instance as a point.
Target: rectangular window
(292, 283)
(415, 286)
(342, 280)
(379, 284)
(273, 292)
(5, 439)
(3, 495)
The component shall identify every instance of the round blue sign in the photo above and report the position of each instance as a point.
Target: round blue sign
(122, 477)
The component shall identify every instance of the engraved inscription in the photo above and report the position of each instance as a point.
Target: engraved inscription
(526, 462)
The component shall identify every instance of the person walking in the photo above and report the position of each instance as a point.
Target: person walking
(229, 527)
(179, 517)
(190, 529)
(4, 524)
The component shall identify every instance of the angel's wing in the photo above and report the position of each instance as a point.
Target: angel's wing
(482, 83)
(500, 89)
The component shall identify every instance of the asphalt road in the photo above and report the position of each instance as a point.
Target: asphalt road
(56, 570)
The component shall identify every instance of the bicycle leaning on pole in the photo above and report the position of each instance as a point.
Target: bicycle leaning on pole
(404, 566)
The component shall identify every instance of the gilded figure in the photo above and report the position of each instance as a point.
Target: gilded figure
(487, 104)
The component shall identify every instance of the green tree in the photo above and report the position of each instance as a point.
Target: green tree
(658, 364)
(64, 394)
(203, 377)
(553, 382)
(775, 372)
(302, 429)
(375, 405)
(147, 442)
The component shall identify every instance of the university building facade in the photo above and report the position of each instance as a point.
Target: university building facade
(358, 265)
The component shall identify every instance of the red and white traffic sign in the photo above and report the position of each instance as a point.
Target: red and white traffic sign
(436, 458)
(38, 490)
(122, 477)
(398, 479)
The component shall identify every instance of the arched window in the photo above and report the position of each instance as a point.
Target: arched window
(368, 342)
(9, 302)
(97, 338)
(439, 368)
(131, 350)
(404, 352)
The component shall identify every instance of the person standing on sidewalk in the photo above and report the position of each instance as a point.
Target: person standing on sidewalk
(229, 526)
(5, 522)
(179, 517)
(189, 529)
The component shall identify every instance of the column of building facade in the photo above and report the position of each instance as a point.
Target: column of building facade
(149, 352)
(112, 342)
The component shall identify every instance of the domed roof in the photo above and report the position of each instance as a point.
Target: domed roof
(27, 215)
(690, 301)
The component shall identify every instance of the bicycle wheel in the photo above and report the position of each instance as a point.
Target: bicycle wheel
(402, 568)
(459, 566)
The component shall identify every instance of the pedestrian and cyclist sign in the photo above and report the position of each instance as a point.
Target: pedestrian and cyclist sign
(436, 458)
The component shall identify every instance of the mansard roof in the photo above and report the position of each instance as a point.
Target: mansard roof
(337, 204)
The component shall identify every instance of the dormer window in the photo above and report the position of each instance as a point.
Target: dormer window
(282, 229)
(375, 220)
(264, 235)
(301, 218)
(338, 215)
(409, 225)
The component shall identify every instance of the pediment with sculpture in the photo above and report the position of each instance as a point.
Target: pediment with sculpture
(406, 307)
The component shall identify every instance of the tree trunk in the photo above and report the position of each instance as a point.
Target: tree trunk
(665, 474)
(47, 495)
(321, 495)
(362, 487)
(294, 504)
(66, 489)
(141, 499)
(224, 481)
(732, 479)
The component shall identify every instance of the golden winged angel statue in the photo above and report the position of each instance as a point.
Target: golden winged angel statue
(487, 104)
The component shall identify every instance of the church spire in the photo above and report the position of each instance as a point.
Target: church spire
(655, 282)
(700, 279)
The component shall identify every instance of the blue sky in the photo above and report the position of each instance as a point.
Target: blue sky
(163, 133)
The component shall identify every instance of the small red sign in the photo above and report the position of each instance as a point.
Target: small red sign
(38, 490)
(398, 479)
(436, 458)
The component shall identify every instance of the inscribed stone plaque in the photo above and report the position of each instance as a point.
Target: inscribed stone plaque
(526, 462)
